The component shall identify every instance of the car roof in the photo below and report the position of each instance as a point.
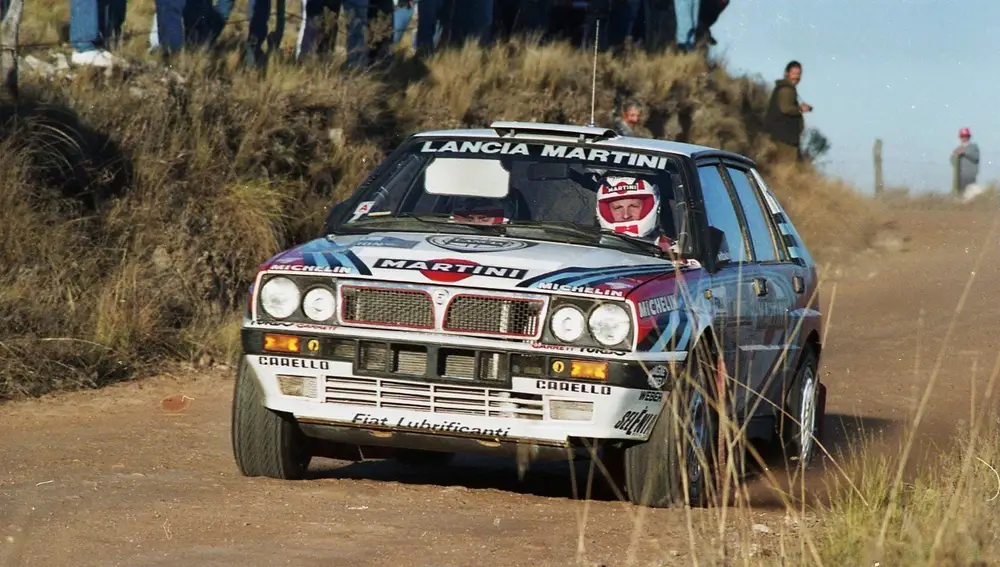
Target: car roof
(596, 135)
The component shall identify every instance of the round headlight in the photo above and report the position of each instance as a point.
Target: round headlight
(567, 324)
(279, 297)
(610, 324)
(319, 304)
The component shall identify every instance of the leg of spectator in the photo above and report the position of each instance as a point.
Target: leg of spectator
(597, 10)
(622, 18)
(253, 54)
(170, 21)
(708, 13)
(533, 18)
(170, 24)
(312, 11)
(428, 12)
(480, 22)
(356, 12)
(83, 34)
(154, 36)
(401, 18)
(687, 20)
(83, 25)
(660, 23)
(275, 38)
(380, 25)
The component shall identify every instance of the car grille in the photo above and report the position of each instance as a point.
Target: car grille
(382, 304)
(494, 315)
(386, 307)
(433, 398)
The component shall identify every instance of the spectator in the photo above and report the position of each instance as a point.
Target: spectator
(686, 13)
(708, 13)
(260, 13)
(522, 17)
(784, 121)
(93, 25)
(476, 22)
(617, 19)
(402, 14)
(315, 38)
(659, 23)
(203, 23)
(965, 161)
(627, 121)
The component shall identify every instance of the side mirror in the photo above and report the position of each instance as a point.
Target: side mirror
(718, 246)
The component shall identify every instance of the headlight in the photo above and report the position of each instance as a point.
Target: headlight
(279, 297)
(567, 324)
(610, 324)
(319, 304)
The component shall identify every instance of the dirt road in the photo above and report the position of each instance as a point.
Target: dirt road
(110, 478)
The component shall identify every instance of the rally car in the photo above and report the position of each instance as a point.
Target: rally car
(540, 291)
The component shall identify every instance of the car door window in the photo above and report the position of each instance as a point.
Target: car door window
(720, 210)
(761, 235)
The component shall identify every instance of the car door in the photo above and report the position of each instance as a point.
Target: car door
(731, 286)
(773, 288)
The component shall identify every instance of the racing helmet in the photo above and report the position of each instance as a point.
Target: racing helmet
(484, 210)
(639, 216)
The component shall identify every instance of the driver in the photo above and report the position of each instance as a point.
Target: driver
(484, 210)
(631, 206)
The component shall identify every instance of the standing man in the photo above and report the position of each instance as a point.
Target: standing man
(965, 161)
(784, 121)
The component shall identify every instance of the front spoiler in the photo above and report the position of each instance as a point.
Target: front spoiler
(368, 438)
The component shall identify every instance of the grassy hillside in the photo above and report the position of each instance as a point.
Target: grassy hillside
(136, 206)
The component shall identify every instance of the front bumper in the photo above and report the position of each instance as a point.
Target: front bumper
(406, 393)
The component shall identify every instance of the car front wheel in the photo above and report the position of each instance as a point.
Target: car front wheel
(265, 442)
(676, 466)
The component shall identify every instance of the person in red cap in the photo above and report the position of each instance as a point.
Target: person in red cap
(965, 161)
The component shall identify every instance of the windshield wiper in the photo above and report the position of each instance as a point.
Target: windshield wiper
(435, 221)
(594, 235)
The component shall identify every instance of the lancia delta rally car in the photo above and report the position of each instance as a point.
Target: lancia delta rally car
(540, 291)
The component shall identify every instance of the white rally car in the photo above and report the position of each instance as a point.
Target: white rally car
(537, 290)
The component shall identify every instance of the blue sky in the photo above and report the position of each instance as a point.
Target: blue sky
(909, 71)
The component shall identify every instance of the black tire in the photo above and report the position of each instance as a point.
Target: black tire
(265, 442)
(799, 446)
(653, 470)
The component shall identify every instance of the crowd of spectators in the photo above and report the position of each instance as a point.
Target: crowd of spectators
(648, 24)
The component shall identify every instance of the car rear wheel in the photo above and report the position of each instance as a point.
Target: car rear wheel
(805, 410)
(265, 442)
(676, 466)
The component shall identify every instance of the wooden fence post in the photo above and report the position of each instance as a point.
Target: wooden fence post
(877, 151)
(9, 27)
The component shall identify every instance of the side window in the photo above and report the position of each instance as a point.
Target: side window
(720, 211)
(761, 234)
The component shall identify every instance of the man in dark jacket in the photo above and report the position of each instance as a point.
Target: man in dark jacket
(783, 120)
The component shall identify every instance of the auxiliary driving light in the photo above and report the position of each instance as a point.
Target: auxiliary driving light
(571, 410)
(584, 369)
(281, 343)
(301, 386)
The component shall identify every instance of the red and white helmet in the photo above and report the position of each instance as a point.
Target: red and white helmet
(964, 133)
(639, 217)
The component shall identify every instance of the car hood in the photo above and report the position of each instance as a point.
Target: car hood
(476, 261)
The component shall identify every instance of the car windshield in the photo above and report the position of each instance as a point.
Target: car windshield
(544, 191)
